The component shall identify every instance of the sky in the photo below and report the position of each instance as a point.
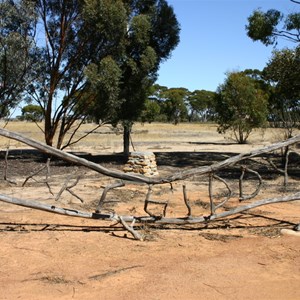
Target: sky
(213, 41)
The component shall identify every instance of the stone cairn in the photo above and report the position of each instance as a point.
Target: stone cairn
(142, 163)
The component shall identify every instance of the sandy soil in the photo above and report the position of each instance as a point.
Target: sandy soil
(47, 256)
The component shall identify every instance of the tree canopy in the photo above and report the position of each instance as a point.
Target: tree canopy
(17, 30)
(89, 56)
(283, 74)
(152, 33)
(32, 113)
(240, 105)
(268, 26)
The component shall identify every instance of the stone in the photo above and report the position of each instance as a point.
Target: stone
(141, 163)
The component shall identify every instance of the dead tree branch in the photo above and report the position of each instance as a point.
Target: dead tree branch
(285, 170)
(56, 209)
(186, 201)
(148, 200)
(214, 207)
(67, 187)
(150, 219)
(105, 191)
(161, 219)
(130, 229)
(255, 193)
(140, 178)
(47, 167)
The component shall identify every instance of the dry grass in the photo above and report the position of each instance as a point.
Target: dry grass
(150, 137)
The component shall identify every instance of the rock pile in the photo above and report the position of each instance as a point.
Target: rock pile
(142, 163)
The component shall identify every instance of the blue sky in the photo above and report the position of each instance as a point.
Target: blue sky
(214, 41)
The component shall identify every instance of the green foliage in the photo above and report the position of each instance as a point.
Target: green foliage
(283, 73)
(151, 111)
(77, 34)
(33, 113)
(17, 21)
(200, 105)
(264, 26)
(104, 81)
(174, 104)
(240, 106)
(152, 33)
(91, 57)
(178, 104)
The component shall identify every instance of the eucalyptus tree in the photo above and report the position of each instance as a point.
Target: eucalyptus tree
(268, 26)
(240, 106)
(17, 32)
(174, 105)
(200, 105)
(97, 56)
(152, 32)
(283, 73)
(32, 113)
(72, 35)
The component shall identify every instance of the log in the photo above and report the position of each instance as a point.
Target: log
(145, 219)
(228, 213)
(56, 209)
(140, 178)
(72, 158)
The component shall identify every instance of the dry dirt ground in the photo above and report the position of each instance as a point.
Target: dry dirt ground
(48, 256)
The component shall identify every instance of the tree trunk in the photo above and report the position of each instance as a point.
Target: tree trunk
(127, 125)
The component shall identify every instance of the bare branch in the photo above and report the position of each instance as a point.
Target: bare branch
(57, 210)
(186, 201)
(135, 234)
(148, 200)
(65, 186)
(69, 143)
(140, 178)
(162, 220)
(214, 207)
(286, 176)
(255, 193)
(47, 166)
(105, 191)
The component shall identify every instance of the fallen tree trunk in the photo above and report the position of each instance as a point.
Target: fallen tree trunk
(140, 178)
(56, 209)
(144, 219)
(72, 158)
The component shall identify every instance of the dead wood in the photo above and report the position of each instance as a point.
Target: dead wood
(129, 228)
(213, 206)
(67, 187)
(105, 191)
(148, 200)
(56, 209)
(186, 201)
(140, 178)
(150, 219)
(162, 219)
(47, 167)
(231, 212)
(255, 193)
(75, 159)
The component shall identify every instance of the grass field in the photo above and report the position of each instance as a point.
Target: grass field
(150, 137)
